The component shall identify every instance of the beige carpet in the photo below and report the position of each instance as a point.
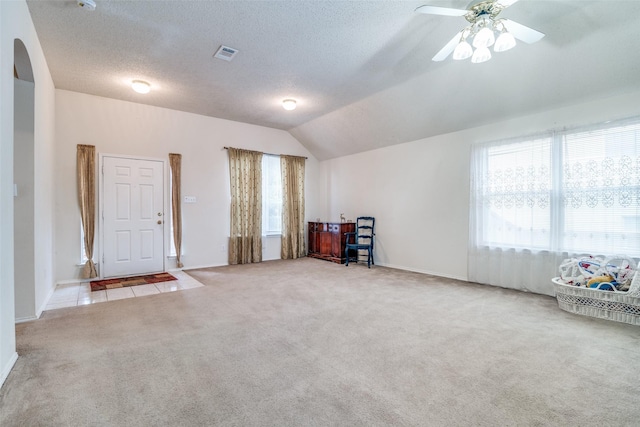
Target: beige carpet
(309, 342)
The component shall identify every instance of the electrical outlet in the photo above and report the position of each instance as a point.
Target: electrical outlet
(190, 199)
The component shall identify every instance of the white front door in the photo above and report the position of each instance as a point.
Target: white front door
(132, 216)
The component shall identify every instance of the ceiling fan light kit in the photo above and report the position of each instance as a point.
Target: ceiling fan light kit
(483, 38)
(482, 54)
(485, 26)
(87, 4)
(504, 42)
(462, 51)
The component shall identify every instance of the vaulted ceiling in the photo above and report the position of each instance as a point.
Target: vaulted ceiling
(361, 71)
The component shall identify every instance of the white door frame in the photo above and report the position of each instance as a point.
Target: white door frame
(100, 230)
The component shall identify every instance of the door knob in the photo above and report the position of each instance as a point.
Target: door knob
(159, 222)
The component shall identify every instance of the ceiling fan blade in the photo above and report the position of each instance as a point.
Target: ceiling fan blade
(505, 3)
(522, 32)
(448, 48)
(436, 10)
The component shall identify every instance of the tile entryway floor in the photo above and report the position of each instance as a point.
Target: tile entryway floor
(74, 294)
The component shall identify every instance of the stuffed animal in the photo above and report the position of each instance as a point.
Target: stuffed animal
(601, 282)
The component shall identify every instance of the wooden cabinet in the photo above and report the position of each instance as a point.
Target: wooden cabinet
(327, 240)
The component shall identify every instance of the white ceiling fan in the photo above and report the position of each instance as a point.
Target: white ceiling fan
(484, 25)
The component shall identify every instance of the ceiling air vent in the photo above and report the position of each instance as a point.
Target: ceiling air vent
(225, 52)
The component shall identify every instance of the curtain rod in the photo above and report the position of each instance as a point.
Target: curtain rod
(270, 154)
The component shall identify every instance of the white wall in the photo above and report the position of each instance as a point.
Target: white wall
(125, 128)
(23, 202)
(419, 191)
(15, 22)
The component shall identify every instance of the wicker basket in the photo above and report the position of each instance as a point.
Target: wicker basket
(612, 305)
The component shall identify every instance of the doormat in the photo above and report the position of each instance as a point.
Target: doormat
(123, 282)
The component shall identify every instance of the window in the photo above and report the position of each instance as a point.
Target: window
(271, 195)
(83, 255)
(574, 191)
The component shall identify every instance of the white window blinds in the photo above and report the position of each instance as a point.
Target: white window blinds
(576, 191)
(513, 193)
(271, 195)
(601, 190)
(565, 192)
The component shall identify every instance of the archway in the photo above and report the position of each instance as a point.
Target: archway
(23, 178)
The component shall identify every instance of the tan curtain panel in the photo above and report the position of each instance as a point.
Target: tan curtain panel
(245, 239)
(86, 171)
(292, 170)
(175, 162)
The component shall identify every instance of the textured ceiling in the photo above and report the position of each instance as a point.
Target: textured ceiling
(360, 70)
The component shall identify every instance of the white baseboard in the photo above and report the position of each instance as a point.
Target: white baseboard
(431, 273)
(40, 309)
(194, 267)
(8, 367)
(44, 304)
(72, 281)
(26, 319)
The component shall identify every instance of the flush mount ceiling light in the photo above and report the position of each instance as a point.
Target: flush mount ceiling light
(486, 30)
(289, 104)
(140, 86)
